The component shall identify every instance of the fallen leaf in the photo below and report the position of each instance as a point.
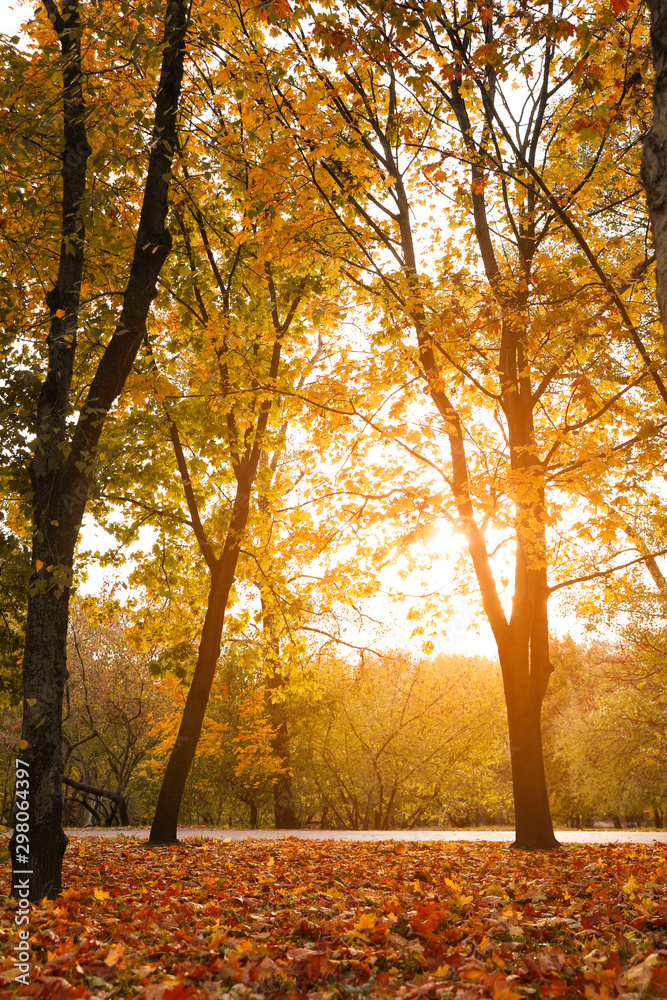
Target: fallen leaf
(115, 953)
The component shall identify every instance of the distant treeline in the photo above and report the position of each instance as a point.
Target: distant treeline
(377, 742)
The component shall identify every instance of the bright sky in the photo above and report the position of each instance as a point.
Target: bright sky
(12, 16)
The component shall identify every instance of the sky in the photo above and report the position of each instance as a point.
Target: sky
(12, 16)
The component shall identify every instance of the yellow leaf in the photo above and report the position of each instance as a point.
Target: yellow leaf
(630, 886)
(101, 894)
(23, 744)
(38, 564)
(118, 950)
(366, 922)
(60, 313)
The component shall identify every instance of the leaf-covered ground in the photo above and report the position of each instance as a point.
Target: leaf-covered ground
(254, 919)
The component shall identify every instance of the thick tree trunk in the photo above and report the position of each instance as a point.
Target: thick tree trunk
(165, 821)
(44, 676)
(654, 156)
(61, 470)
(533, 825)
(526, 668)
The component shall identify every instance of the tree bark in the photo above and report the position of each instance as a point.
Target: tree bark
(61, 473)
(283, 800)
(532, 815)
(654, 155)
(523, 641)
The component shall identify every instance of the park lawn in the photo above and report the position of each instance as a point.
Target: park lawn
(291, 918)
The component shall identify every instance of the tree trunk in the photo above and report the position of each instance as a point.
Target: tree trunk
(283, 801)
(525, 665)
(61, 468)
(654, 155)
(44, 676)
(223, 573)
(534, 829)
(254, 815)
(165, 821)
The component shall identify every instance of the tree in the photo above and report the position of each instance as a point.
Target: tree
(242, 291)
(65, 448)
(246, 440)
(418, 116)
(232, 776)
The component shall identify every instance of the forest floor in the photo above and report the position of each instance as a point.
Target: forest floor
(330, 919)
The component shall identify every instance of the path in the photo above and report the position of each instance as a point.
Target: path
(498, 836)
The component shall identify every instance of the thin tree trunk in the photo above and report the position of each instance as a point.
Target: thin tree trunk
(124, 814)
(654, 155)
(523, 641)
(283, 800)
(165, 821)
(61, 472)
(253, 814)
